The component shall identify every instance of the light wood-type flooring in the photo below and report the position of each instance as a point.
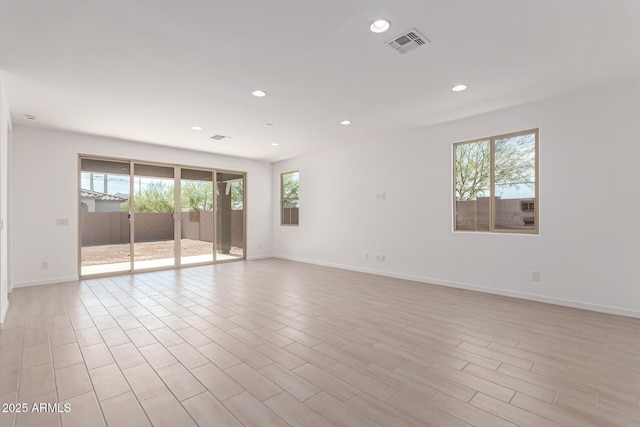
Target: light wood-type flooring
(276, 343)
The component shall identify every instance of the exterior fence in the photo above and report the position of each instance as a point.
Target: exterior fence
(112, 228)
(474, 214)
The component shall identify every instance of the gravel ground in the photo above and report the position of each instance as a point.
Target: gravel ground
(105, 254)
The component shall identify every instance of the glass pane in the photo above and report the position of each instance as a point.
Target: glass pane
(290, 184)
(515, 182)
(196, 199)
(472, 186)
(290, 210)
(229, 216)
(153, 217)
(237, 217)
(290, 203)
(104, 201)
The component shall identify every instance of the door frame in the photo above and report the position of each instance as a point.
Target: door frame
(177, 214)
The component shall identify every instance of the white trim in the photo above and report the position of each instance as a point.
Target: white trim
(520, 295)
(46, 282)
(3, 315)
(251, 258)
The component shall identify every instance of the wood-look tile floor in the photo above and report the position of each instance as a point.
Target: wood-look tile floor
(276, 343)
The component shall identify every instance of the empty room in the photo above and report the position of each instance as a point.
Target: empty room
(317, 213)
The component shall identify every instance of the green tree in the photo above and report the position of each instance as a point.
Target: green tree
(515, 162)
(197, 196)
(155, 197)
(473, 170)
(237, 195)
(514, 165)
(290, 185)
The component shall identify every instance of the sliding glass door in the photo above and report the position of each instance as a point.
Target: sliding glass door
(139, 216)
(153, 217)
(196, 223)
(105, 245)
(229, 216)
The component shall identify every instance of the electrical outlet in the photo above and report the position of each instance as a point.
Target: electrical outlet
(535, 276)
(44, 265)
(383, 258)
(366, 256)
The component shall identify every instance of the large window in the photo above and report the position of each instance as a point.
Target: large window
(289, 204)
(496, 184)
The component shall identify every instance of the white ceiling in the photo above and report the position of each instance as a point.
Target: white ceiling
(148, 70)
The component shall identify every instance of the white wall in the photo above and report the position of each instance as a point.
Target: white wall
(588, 245)
(5, 153)
(45, 177)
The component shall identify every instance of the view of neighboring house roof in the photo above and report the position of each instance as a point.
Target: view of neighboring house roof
(96, 195)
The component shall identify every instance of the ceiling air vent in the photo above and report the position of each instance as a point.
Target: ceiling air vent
(219, 137)
(408, 41)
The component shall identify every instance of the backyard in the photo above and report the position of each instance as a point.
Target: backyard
(108, 254)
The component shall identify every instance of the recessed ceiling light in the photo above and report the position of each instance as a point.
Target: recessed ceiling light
(30, 117)
(196, 128)
(459, 88)
(345, 122)
(258, 93)
(274, 144)
(379, 26)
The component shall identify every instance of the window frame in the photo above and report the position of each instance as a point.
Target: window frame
(536, 201)
(285, 199)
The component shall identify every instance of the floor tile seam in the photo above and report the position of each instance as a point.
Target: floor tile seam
(219, 401)
(386, 403)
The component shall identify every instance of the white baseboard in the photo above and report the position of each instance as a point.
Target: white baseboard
(471, 287)
(3, 315)
(251, 258)
(51, 281)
